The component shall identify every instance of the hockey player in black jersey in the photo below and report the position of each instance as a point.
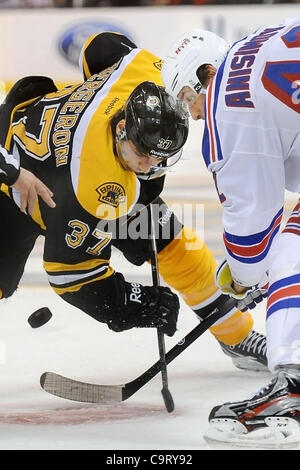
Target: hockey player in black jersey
(101, 171)
(101, 51)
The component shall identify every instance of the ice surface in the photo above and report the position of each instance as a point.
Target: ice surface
(73, 344)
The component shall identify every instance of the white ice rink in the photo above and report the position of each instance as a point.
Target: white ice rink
(73, 344)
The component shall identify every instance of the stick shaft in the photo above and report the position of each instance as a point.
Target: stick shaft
(160, 336)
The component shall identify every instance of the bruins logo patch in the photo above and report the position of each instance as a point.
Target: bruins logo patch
(112, 194)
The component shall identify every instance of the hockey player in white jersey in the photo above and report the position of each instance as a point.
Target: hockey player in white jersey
(249, 97)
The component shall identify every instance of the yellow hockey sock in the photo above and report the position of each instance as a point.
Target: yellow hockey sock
(234, 329)
(188, 266)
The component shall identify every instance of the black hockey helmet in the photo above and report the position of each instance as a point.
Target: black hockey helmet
(155, 122)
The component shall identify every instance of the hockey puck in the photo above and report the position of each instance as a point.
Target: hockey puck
(39, 317)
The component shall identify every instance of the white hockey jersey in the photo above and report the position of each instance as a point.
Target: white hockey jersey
(251, 142)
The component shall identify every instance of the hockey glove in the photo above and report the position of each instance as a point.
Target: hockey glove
(152, 307)
(123, 305)
(245, 300)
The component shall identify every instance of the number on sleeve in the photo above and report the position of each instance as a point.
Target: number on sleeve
(282, 78)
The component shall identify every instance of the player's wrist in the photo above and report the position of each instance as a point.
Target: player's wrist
(238, 288)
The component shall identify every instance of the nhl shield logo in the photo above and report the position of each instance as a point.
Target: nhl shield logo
(111, 193)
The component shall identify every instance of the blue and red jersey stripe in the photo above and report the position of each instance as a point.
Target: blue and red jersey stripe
(283, 294)
(252, 248)
(293, 224)
(211, 146)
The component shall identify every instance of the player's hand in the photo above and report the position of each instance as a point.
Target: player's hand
(124, 305)
(253, 296)
(30, 187)
(156, 307)
(247, 297)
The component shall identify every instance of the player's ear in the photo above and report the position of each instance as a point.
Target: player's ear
(120, 131)
(205, 73)
(120, 127)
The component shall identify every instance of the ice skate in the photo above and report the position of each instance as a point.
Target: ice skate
(268, 419)
(250, 353)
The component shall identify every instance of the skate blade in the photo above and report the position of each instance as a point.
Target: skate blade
(278, 433)
(249, 364)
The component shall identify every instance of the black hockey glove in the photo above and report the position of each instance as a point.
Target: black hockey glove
(123, 305)
(150, 306)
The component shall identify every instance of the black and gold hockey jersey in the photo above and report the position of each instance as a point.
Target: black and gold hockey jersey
(65, 138)
(9, 167)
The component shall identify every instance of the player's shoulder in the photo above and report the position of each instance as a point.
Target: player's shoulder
(104, 49)
(239, 82)
(146, 66)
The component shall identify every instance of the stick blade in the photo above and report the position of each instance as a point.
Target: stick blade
(74, 390)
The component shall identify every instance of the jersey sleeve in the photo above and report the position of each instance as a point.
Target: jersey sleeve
(251, 188)
(9, 168)
(102, 50)
(243, 149)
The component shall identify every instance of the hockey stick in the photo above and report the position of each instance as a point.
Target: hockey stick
(166, 394)
(70, 389)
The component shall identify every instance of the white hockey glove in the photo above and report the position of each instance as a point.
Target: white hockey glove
(245, 300)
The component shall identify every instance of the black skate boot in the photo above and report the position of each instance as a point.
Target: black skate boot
(250, 353)
(268, 419)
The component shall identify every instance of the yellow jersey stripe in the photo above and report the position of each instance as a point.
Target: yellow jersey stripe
(52, 267)
(82, 60)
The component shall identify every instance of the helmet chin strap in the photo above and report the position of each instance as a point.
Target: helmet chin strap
(199, 89)
(122, 135)
(153, 173)
(124, 164)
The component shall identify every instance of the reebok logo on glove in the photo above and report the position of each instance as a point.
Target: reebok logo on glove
(136, 292)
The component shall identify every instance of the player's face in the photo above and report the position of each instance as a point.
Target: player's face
(134, 160)
(194, 102)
